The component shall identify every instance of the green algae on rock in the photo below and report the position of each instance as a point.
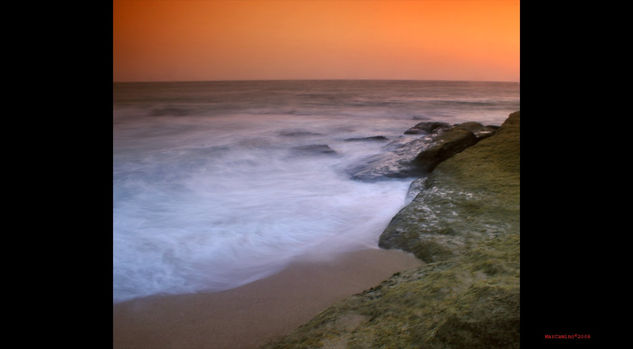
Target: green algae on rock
(413, 158)
(471, 301)
(449, 142)
(464, 223)
(427, 127)
(473, 194)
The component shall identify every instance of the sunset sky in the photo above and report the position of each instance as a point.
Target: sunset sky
(182, 40)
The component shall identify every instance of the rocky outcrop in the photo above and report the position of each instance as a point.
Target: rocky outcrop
(365, 139)
(396, 162)
(467, 302)
(450, 142)
(427, 127)
(443, 147)
(480, 131)
(406, 157)
(464, 222)
(473, 194)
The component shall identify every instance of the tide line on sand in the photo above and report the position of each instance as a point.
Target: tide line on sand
(250, 315)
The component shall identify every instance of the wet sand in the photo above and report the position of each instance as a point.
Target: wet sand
(251, 315)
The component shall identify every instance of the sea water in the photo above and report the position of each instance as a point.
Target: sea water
(212, 188)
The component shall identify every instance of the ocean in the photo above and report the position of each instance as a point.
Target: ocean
(218, 184)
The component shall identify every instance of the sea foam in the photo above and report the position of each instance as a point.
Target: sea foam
(211, 192)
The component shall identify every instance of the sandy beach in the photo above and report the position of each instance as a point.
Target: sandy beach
(250, 315)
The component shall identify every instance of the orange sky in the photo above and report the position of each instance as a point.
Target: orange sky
(316, 39)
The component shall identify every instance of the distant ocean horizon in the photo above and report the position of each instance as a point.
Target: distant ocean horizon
(213, 189)
(273, 80)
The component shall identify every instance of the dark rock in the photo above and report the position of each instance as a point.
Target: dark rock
(363, 139)
(480, 131)
(427, 127)
(314, 149)
(406, 158)
(484, 133)
(443, 147)
(471, 126)
(395, 163)
(414, 189)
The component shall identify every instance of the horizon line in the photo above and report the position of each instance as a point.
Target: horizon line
(247, 80)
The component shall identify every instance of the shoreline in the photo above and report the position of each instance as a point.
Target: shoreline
(253, 314)
(465, 224)
(308, 303)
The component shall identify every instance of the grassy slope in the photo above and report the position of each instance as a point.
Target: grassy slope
(468, 294)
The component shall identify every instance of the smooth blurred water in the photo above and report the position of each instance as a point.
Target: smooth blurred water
(211, 192)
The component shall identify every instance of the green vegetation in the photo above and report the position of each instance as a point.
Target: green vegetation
(470, 196)
(465, 225)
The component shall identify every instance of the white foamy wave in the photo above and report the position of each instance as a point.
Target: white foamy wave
(210, 195)
(217, 212)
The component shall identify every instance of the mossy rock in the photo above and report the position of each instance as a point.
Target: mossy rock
(448, 304)
(475, 194)
(431, 251)
(489, 318)
(427, 127)
(464, 224)
(447, 144)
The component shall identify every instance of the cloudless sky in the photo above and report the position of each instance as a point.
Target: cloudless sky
(184, 40)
